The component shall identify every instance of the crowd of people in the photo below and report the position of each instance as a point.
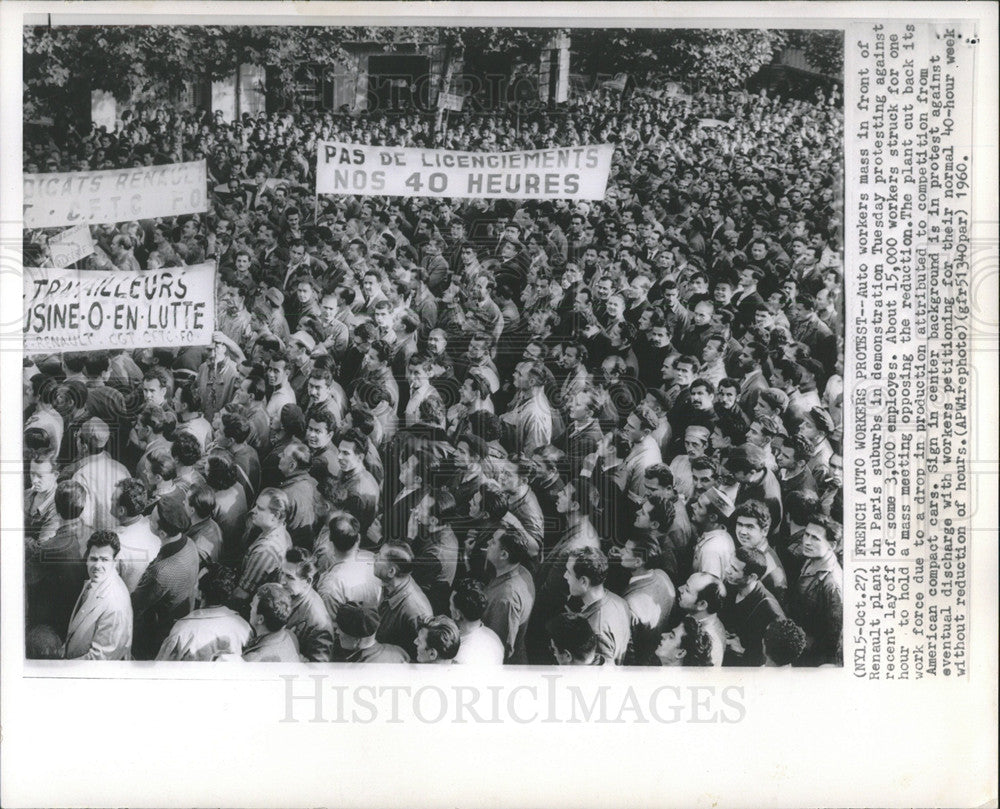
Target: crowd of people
(460, 430)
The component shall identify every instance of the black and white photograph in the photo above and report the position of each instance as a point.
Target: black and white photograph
(527, 345)
(531, 348)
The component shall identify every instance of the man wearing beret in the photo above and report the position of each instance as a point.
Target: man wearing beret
(355, 629)
(167, 589)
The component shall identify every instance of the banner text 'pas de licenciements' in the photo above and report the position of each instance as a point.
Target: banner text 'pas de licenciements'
(114, 195)
(78, 310)
(572, 172)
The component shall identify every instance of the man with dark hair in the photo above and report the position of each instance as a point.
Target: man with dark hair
(281, 392)
(650, 595)
(357, 492)
(714, 547)
(701, 597)
(750, 368)
(100, 627)
(212, 631)
(301, 490)
(169, 585)
(187, 406)
(572, 641)
(237, 433)
(784, 642)
(263, 558)
(816, 602)
(40, 518)
(687, 644)
(608, 614)
(510, 596)
(321, 426)
(139, 545)
(272, 642)
(309, 619)
(351, 572)
(748, 465)
(438, 640)
(522, 502)
(480, 645)
(435, 546)
(529, 418)
(204, 531)
(749, 608)
(751, 523)
(187, 452)
(403, 605)
(54, 568)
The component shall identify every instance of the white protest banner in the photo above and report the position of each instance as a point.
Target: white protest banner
(572, 172)
(75, 310)
(617, 83)
(70, 246)
(450, 101)
(114, 195)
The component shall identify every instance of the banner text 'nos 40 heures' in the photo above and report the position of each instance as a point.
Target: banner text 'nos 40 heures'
(573, 172)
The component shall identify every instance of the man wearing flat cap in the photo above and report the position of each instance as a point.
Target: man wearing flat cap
(167, 589)
(355, 628)
(714, 547)
(219, 375)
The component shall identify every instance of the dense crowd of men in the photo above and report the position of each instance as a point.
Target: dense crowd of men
(460, 430)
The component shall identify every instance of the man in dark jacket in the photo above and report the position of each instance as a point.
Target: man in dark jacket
(167, 589)
(748, 609)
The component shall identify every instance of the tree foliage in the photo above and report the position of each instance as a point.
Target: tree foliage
(824, 50)
(61, 65)
(695, 57)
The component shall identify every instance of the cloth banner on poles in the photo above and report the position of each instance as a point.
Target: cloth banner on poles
(77, 310)
(573, 172)
(71, 245)
(114, 195)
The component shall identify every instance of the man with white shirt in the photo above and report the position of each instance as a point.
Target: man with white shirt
(138, 544)
(280, 388)
(480, 645)
(713, 366)
(714, 547)
(351, 572)
(530, 415)
(645, 452)
(187, 406)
